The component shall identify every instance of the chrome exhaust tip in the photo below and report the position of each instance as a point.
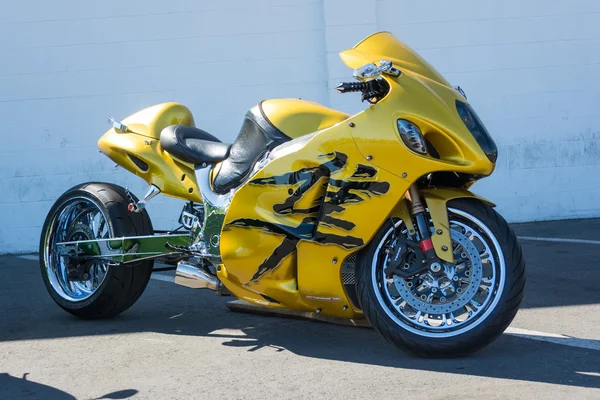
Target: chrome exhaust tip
(193, 277)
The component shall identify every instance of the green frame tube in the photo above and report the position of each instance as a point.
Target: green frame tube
(126, 249)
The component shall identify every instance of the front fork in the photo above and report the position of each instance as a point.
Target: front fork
(418, 213)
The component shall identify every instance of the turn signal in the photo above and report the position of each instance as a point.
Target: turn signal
(411, 136)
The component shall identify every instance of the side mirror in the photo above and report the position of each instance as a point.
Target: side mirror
(369, 72)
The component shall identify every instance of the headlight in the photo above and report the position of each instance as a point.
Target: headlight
(474, 125)
(411, 136)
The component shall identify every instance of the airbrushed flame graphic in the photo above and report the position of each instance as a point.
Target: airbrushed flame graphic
(333, 197)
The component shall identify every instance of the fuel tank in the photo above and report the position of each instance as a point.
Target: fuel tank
(297, 117)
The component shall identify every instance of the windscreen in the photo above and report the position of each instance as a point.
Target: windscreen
(384, 46)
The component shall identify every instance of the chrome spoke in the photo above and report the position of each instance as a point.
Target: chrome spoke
(486, 283)
(100, 229)
(417, 315)
(79, 219)
(94, 222)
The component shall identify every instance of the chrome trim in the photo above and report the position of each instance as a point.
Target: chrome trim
(67, 215)
(215, 208)
(203, 174)
(367, 72)
(124, 249)
(387, 68)
(193, 277)
(139, 206)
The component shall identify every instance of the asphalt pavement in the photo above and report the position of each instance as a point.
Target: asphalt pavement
(179, 343)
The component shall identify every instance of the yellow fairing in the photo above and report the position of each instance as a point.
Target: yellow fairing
(324, 196)
(425, 98)
(173, 177)
(291, 226)
(297, 117)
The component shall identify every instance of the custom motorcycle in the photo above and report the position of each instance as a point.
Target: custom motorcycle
(309, 209)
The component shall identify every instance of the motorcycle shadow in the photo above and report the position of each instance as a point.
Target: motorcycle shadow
(509, 357)
(29, 314)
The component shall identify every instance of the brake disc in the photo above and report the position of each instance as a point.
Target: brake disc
(473, 271)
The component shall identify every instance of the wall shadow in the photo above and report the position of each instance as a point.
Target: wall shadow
(12, 387)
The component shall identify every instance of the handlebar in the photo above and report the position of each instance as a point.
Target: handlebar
(372, 91)
(347, 87)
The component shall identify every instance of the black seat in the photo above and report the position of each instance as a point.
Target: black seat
(193, 145)
(256, 137)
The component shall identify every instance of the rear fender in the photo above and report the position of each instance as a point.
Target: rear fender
(436, 200)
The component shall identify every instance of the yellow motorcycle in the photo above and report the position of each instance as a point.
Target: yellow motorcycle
(310, 209)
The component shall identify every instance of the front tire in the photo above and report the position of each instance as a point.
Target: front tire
(93, 211)
(484, 288)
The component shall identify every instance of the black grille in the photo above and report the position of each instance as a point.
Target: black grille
(348, 270)
(349, 278)
(141, 164)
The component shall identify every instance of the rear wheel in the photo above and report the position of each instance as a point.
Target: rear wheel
(459, 310)
(100, 290)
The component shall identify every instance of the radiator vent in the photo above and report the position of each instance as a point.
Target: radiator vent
(349, 278)
(141, 164)
(348, 270)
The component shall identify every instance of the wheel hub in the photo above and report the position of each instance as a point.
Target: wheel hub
(77, 271)
(79, 232)
(449, 290)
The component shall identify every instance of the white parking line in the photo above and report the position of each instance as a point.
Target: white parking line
(31, 257)
(558, 240)
(589, 344)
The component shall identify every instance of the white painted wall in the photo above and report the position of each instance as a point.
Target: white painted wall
(531, 69)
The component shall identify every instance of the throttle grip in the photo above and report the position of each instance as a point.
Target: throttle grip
(347, 87)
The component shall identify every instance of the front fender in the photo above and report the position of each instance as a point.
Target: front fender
(436, 200)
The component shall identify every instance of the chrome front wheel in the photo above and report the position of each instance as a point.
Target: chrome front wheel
(458, 309)
(456, 299)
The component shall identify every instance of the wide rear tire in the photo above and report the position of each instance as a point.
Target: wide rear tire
(110, 289)
(444, 338)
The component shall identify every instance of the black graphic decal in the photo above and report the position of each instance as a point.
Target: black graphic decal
(291, 238)
(366, 188)
(333, 195)
(302, 231)
(347, 242)
(332, 222)
(309, 177)
(364, 171)
(287, 247)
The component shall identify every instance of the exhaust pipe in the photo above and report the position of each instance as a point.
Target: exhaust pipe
(193, 277)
